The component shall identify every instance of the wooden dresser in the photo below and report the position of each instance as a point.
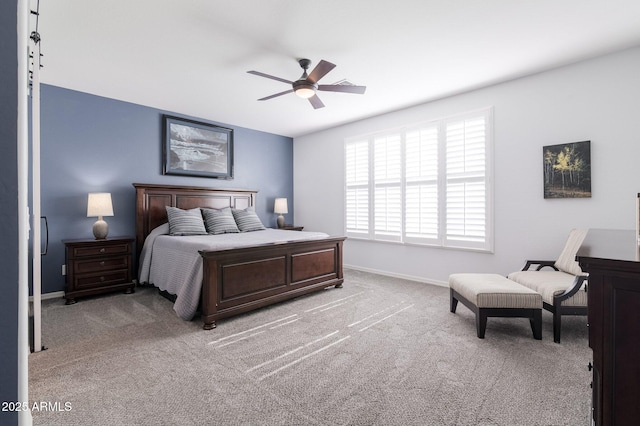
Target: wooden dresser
(612, 259)
(98, 266)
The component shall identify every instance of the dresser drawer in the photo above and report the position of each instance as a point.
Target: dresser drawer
(101, 264)
(108, 278)
(100, 250)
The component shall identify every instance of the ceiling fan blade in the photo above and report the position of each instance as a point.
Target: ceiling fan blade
(261, 74)
(276, 95)
(344, 88)
(320, 71)
(316, 102)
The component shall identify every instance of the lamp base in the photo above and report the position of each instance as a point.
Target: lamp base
(280, 221)
(100, 229)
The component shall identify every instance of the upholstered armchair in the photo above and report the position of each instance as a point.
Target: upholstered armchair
(563, 287)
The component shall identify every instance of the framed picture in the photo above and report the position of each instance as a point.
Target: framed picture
(192, 148)
(567, 170)
(638, 220)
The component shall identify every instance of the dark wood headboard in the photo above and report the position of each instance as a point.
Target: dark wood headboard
(151, 200)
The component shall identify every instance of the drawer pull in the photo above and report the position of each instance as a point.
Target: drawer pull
(102, 250)
(102, 278)
(102, 263)
(590, 366)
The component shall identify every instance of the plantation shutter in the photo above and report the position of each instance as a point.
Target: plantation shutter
(357, 187)
(466, 197)
(387, 174)
(421, 184)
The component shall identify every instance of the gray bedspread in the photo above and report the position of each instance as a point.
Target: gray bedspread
(173, 264)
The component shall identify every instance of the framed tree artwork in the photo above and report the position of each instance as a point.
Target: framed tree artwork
(567, 170)
(192, 148)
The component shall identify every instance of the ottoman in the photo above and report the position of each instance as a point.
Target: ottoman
(492, 295)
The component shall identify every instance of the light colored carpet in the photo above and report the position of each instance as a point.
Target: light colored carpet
(380, 351)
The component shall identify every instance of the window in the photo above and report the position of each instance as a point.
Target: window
(424, 184)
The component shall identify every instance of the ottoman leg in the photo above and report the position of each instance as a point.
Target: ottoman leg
(481, 322)
(536, 324)
(453, 302)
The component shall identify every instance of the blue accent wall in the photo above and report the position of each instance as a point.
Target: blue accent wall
(9, 208)
(96, 144)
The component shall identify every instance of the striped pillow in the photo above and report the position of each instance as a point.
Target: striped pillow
(185, 222)
(219, 221)
(247, 220)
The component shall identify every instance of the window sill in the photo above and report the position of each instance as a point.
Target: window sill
(421, 245)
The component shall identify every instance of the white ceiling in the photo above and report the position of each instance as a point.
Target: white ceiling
(192, 56)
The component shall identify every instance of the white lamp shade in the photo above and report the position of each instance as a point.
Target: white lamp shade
(280, 206)
(99, 204)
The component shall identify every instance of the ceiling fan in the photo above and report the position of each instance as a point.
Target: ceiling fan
(307, 85)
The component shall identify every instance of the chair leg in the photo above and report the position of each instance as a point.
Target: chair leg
(481, 322)
(556, 325)
(453, 302)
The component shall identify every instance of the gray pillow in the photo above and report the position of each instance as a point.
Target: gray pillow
(185, 222)
(247, 220)
(219, 221)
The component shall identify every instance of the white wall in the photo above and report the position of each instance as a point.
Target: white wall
(596, 100)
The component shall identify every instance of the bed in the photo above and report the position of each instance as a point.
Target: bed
(238, 280)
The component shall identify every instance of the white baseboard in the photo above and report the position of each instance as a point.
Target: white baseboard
(59, 294)
(402, 276)
(52, 295)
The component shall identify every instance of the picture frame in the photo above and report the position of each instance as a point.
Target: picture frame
(567, 170)
(638, 221)
(193, 148)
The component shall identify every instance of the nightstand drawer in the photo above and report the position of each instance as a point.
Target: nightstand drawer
(85, 281)
(101, 250)
(103, 264)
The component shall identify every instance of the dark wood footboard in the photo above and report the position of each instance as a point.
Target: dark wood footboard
(240, 280)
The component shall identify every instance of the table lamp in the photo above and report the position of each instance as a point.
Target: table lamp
(98, 205)
(280, 208)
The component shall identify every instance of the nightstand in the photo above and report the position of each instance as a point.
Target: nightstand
(292, 228)
(98, 266)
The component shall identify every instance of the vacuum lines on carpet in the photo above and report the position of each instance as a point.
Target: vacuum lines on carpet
(301, 353)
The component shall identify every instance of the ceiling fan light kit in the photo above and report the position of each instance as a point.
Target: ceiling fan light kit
(307, 85)
(304, 89)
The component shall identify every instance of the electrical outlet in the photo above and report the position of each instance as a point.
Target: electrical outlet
(64, 269)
